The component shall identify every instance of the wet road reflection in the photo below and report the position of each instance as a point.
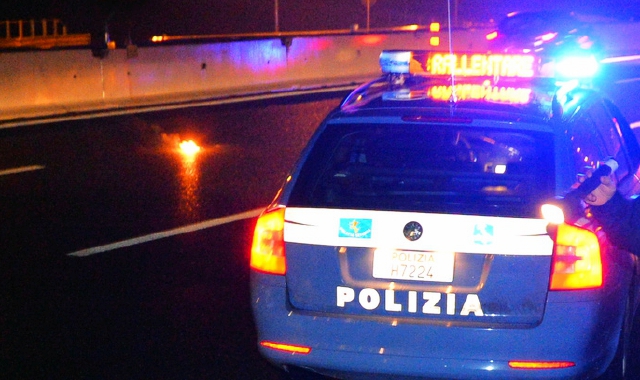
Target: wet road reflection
(143, 297)
(189, 177)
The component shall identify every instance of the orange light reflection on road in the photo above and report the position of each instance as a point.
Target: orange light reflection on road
(189, 148)
(189, 206)
(188, 175)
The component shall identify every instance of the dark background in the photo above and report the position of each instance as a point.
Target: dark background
(174, 308)
(140, 19)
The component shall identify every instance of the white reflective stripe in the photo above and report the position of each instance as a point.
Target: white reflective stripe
(441, 232)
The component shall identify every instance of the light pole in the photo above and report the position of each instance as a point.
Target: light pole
(368, 4)
(455, 13)
(275, 15)
(368, 14)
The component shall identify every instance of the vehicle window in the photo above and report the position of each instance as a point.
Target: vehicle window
(609, 131)
(595, 138)
(587, 146)
(533, 24)
(427, 168)
(630, 145)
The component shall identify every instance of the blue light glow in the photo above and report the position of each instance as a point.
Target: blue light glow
(577, 67)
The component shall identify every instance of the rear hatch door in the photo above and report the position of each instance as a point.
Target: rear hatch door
(435, 267)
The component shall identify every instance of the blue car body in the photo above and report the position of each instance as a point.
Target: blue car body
(408, 241)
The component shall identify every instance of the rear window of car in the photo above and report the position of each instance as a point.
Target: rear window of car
(427, 168)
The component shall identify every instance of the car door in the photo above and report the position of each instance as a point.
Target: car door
(599, 133)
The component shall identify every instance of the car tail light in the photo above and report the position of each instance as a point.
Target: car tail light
(267, 250)
(520, 364)
(577, 263)
(286, 347)
(547, 36)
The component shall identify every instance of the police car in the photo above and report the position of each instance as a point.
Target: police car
(410, 242)
(545, 32)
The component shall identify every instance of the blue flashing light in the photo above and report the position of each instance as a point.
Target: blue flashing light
(576, 67)
(395, 61)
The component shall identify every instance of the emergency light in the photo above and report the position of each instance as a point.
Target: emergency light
(576, 67)
(487, 65)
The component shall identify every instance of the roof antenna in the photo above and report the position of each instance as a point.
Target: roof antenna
(453, 99)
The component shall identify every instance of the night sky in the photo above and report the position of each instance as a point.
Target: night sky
(141, 19)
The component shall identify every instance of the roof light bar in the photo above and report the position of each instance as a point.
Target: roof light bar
(480, 65)
(460, 64)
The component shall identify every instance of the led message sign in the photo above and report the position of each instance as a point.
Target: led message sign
(497, 94)
(459, 64)
(482, 65)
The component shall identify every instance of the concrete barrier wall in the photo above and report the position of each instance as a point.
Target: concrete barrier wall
(36, 84)
(58, 82)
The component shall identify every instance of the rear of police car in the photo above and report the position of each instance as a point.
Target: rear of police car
(409, 240)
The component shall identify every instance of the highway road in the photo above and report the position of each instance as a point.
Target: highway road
(122, 258)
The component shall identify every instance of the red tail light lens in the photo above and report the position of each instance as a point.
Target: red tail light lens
(577, 263)
(286, 347)
(267, 250)
(519, 364)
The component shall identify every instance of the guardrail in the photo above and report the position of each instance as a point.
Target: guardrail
(59, 83)
(70, 83)
(42, 34)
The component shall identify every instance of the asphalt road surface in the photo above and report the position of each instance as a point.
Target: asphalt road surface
(121, 258)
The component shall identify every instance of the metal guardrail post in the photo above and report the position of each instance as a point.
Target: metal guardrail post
(43, 34)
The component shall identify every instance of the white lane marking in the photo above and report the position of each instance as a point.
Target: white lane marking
(163, 234)
(21, 169)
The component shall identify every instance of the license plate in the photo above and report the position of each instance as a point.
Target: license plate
(413, 265)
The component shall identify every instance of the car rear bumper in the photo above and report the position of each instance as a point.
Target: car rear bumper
(354, 347)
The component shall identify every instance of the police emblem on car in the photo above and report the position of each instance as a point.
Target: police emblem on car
(412, 231)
